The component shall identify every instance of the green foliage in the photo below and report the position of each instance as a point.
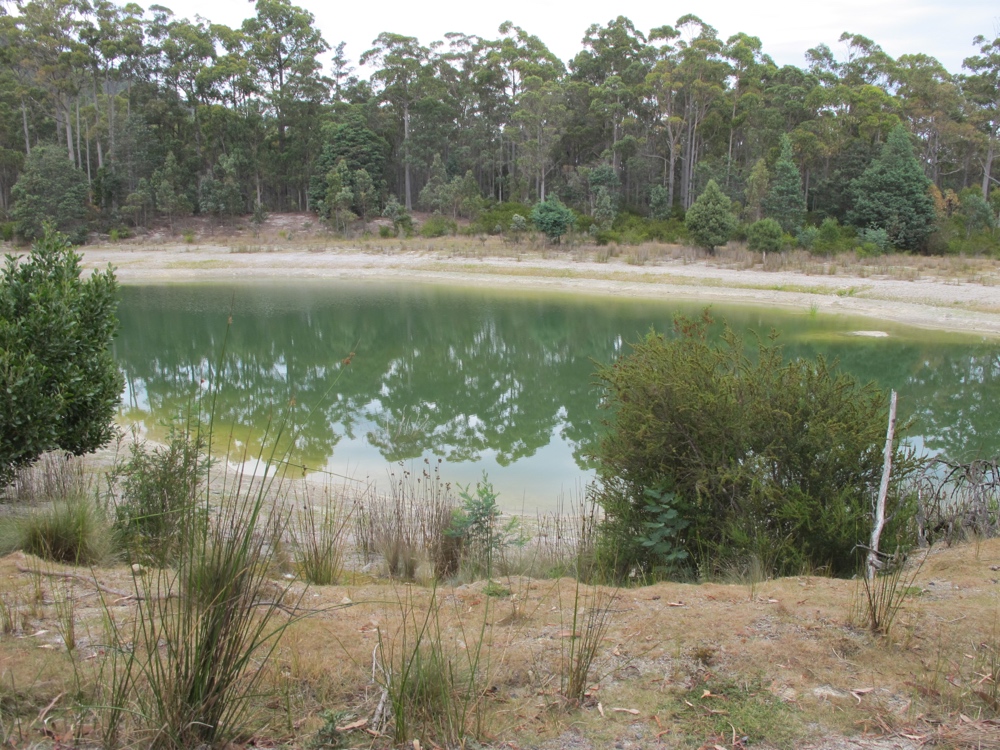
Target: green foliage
(360, 148)
(154, 493)
(663, 532)
(604, 208)
(500, 215)
(219, 192)
(785, 202)
(659, 206)
(760, 457)
(401, 220)
(874, 240)
(72, 531)
(7, 229)
(758, 185)
(477, 524)
(437, 226)
(49, 190)
(552, 218)
(765, 236)
(59, 384)
(710, 220)
(892, 194)
(806, 237)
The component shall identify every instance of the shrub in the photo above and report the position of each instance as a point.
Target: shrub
(759, 457)
(552, 218)
(806, 238)
(59, 384)
(500, 215)
(874, 240)
(710, 220)
(438, 226)
(765, 236)
(477, 524)
(7, 231)
(154, 492)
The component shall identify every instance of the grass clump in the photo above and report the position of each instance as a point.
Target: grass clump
(431, 690)
(319, 536)
(72, 531)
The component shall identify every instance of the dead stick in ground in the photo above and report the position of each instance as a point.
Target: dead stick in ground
(883, 491)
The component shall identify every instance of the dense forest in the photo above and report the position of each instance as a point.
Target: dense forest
(114, 117)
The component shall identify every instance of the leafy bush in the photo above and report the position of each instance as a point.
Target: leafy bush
(552, 218)
(765, 236)
(500, 215)
(438, 226)
(876, 238)
(710, 221)
(759, 457)
(806, 238)
(477, 524)
(59, 384)
(7, 230)
(154, 494)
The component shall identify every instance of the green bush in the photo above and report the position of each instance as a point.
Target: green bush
(438, 226)
(500, 215)
(759, 457)
(7, 230)
(72, 531)
(154, 494)
(386, 232)
(765, 236)
(552, 218)
(710, 221)
(59, 383)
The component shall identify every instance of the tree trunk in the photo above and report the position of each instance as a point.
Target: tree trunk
(24, 123)
(406, 156)
(988, 166)
(79, 153)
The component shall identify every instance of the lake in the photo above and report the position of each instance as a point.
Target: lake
(475, 380)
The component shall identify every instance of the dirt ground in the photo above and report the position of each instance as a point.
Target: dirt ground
(770, 664)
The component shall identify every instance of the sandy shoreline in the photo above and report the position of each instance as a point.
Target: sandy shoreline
(926, 302)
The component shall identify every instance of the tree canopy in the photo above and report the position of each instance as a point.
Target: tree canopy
(158, 117)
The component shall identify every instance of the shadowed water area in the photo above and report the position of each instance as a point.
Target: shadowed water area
(484, 380)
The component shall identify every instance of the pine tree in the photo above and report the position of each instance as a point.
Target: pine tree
(892, 194)
(710, 220)
(784, 201)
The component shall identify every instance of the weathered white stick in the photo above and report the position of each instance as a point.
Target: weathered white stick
(873, 562)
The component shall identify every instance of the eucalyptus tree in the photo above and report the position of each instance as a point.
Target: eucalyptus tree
(400, 64)
(983, 88)
(541, 116)
(283, 49)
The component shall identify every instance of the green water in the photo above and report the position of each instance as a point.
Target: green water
(484, 380)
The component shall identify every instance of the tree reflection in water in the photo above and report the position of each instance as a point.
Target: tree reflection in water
(486, 380)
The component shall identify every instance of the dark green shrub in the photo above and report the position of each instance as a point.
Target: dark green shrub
(710, 221)
(552, 218)
(438, 226)
(59, 383)
(500, 215)
(760, 457)
(7, 230)
(765, 236)
(386, 232)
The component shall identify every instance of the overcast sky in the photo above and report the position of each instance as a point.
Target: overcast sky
(941, 28)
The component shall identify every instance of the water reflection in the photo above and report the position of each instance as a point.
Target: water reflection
(493, 381)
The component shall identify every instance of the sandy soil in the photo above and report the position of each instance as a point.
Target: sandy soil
(923, 300)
